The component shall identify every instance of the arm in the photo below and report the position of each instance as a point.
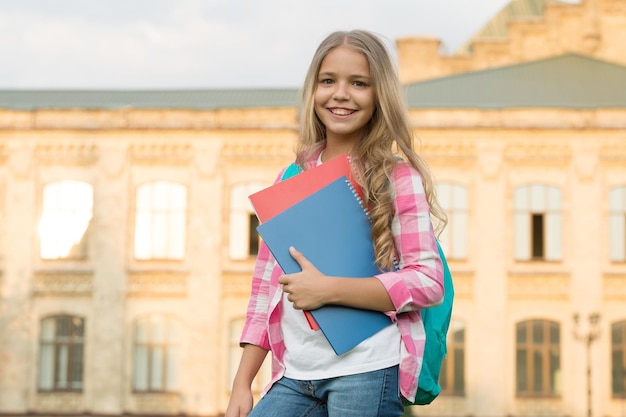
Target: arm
(241, 400)
(418, 282)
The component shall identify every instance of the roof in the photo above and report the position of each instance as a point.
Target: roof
(147, 99)
(496, 27)
(566, 81)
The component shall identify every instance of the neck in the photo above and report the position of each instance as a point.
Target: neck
(333, 150)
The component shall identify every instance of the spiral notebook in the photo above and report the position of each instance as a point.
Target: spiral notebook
(272, 200)
(332, 230)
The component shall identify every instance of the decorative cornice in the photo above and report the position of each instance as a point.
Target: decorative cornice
(448, 151)
(157, 284)
(76, 153)
(538, 153)
(539, 286)
(614, 286)
(58, 283)
(257, 149)
(164, 152)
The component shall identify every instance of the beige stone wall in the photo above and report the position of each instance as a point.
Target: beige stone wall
(592, 27)
(489, 152)
(115, 151)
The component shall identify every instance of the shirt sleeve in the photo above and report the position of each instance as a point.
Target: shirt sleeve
(418, 280)
(256, 329)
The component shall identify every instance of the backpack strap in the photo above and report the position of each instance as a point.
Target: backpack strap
(292, 170)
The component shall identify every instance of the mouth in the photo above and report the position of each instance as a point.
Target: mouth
(341, 112)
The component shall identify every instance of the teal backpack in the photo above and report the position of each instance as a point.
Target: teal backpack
(436, 322)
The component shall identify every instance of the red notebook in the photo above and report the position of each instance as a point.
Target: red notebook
(277, 198)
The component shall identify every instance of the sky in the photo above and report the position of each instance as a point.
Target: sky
(169, 44)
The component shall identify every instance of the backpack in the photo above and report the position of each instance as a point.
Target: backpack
(436, 321)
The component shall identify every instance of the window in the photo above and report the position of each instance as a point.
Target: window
(253, 235)
(160, 223)
(618, 358)
(263, 376)
(617, 203)
(61, 353)
(243, 237)
(452, 376)
(66, 214)
(538, 223)
(538, 358)
(453, 200)
(156, 354)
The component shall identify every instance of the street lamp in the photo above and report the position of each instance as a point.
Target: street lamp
(593, 332)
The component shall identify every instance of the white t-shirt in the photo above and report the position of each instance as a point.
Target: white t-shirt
(309, 356)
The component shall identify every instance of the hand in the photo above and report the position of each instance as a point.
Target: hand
(308, 289)
(240, 404)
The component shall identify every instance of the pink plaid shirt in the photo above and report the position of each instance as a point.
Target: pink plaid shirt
(417, 284)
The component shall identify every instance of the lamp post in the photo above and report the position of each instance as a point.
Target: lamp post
(593, 332)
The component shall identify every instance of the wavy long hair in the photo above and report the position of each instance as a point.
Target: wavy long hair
(388, 135)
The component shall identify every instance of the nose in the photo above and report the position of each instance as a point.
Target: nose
(341, 91)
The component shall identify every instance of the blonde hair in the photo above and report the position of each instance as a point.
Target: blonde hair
(388, 134)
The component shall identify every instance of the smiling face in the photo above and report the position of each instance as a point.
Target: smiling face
(344, 97)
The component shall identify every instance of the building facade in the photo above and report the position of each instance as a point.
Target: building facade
(128, 242)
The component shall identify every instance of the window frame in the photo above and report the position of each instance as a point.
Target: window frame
(167, 346)
(452, 376)
(53, 213)
(546, 350)
(71, 344)
(169, 216)
(618, 348)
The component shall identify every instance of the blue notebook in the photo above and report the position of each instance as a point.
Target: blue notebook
(332, 230)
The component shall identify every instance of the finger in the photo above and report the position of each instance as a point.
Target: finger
(298, 256)
(283, 280)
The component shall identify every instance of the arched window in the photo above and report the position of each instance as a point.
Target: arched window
(538, 358)
(617, 226)
(160, 220)
(61, 347)
(156, 354)
(538, 223)
(618, 359)
(243, 237)
(453, 200)
(66, 214)
(452, 375)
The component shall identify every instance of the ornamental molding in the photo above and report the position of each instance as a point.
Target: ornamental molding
(158, 403)
(157, 284)
(258, 149)
(67, 153)
(59, 283)
(162, 153)
(614, 152)
(59, 402)
(552, 286)
(448, 152)
(538, 153)
(614, 286)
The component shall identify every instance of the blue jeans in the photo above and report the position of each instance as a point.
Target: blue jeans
(370, 394)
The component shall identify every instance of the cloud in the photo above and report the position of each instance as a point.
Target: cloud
(202, 43)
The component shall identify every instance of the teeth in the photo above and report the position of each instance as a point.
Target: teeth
(341, 112)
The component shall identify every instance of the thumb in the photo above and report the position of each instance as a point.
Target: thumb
(298, 256)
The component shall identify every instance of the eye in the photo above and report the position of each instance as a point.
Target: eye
(326, 81)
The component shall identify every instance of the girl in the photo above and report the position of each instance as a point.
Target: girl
(352, 104)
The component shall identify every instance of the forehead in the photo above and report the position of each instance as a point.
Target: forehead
(343, 59)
